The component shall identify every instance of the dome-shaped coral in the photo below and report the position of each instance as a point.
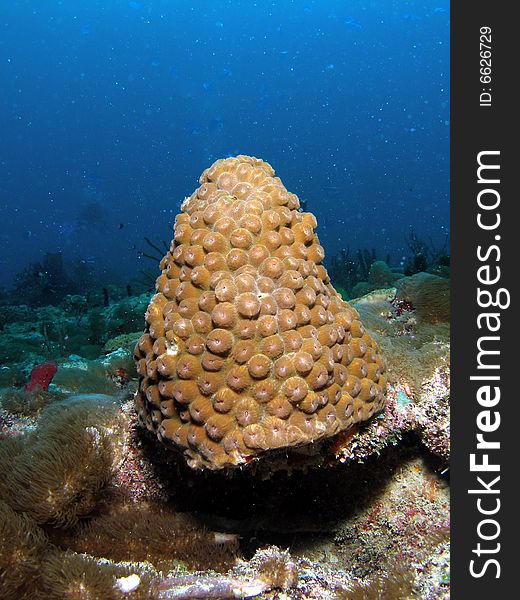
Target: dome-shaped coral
(248, 347)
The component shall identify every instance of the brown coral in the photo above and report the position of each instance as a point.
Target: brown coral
(139, 534)
(22, 546)
(246, 332)
(429, 295)
(55, 473)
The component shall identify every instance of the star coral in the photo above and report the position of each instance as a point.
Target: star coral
(248, 348)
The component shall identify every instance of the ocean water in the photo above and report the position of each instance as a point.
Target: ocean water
(110, 111)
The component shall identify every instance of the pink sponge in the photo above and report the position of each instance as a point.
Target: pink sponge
(41, 376)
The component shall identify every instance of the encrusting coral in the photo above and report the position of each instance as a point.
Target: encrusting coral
(418, 369)
(20, 402)
(429, 294)
(248, 347)
(81, 576)
(269, 568)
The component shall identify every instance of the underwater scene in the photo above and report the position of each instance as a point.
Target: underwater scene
(224, 299)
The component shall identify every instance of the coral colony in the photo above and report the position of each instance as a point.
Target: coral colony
(280, 423)
(248, 346)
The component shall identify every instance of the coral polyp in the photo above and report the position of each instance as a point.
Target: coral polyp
(245, 309)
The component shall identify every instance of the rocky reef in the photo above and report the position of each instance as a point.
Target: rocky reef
(92, 507)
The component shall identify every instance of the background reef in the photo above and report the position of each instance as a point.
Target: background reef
(79, 476)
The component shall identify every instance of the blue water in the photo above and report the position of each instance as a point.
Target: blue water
(110, 110)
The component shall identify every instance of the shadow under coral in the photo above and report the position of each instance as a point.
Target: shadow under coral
(296, 509)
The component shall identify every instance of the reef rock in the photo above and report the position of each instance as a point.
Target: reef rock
(248, 348)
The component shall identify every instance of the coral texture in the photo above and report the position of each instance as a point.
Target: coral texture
(429, 294)
(55, 473)
(22, 547)
(248, 347)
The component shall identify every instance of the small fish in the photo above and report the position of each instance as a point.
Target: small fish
(121, 225)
